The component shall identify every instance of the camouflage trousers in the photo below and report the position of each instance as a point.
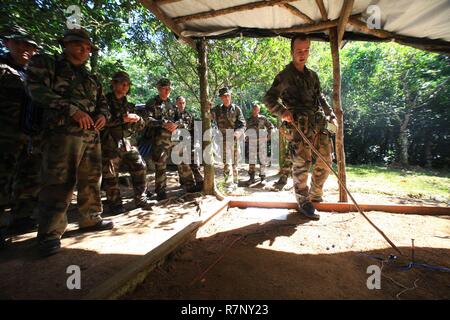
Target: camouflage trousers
(69, 161)
(19, 180)
(302, 160)
(286, 168)
(161, 152)
(230, 156)
(137, 168)
(255, 158)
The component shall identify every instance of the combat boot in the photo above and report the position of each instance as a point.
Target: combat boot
(307, 209)
(99, 226)
(49, 247)
(263, 179)
(115, 209)
(144, 203)
(251, 180)
(316, 199)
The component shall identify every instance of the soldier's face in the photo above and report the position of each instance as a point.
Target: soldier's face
(300, 52)
(226, 99)
(77, 52)
(255, 111)
(120, 88)
(20, 51)
(164, 92)
(181, 104)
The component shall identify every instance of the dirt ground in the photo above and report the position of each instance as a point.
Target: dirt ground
(257, 253)
(242, 254)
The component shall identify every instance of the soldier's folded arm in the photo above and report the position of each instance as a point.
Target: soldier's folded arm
(240, 123)
(39, 75)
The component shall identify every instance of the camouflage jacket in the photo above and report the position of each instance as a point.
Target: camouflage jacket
(184, 120)
(259, 123)
(156, 113)
(62, 89)
(299, 92)
(12, 98)
(229, 117)
(116, 129)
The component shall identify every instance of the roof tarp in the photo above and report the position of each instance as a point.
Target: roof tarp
(412, 18)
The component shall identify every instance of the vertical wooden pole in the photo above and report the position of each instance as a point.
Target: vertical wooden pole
(208, 167)
(337, 107)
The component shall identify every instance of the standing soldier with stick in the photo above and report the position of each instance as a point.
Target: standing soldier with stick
(302, 103)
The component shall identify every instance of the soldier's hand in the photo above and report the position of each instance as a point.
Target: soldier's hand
(170, 126)
(100, 122)
(237, 134)
(131, 118)
(83, 119)
(287, 116)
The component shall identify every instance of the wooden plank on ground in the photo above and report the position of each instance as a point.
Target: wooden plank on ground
(344, 207)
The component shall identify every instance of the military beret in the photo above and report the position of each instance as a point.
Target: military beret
(163, 82)
(121, 76)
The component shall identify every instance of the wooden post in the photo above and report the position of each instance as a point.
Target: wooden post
(337, 107)
(207, 157)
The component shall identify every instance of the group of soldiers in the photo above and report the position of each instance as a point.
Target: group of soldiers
(84, 136)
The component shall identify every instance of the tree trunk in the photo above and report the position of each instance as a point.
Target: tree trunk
(427, 151)
(337, 107)
(207, 157)
(403, 140)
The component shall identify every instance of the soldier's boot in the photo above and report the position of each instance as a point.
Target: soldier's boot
(144, 203)
(282, 181)
(263, 179)
(99, 226)
(251, 180)
(308, 210)
(116, 208)
(48, 247)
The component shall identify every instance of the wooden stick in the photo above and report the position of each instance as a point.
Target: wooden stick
(304, 28)
(224, 11)
(154, 8)
(345, 187)
(346, 11)
(296, 12)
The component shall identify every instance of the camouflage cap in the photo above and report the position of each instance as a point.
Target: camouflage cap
(77, 35)
(163, 82)
(19, 34)
(121, 76)
(224, 91)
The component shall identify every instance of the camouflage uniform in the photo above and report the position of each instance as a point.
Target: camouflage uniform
(258, 123)
(71, 155)
(230, 117)
(286, 169)
(186, 121)
(115, 141)
(301, 94)
(158, 112)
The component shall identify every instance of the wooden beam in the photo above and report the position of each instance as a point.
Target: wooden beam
(337, 108)
(342, 207)
(207, 154)
(322, 9)
(224, 11)
(163, 2)
(362, 26)
(346, 11)
(163, 17)
(304, 28)
(296, 12)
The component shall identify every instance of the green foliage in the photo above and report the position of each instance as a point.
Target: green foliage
(395, 98)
